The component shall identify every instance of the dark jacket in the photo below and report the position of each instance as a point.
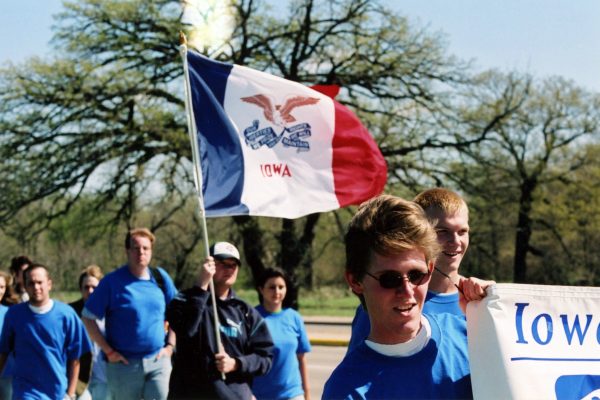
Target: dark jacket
(244, 335)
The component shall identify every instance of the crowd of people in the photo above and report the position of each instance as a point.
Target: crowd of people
(133, 335)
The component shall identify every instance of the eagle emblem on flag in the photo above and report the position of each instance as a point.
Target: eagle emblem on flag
(280, 115)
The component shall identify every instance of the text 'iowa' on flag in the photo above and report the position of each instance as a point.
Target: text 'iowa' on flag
(273, 147)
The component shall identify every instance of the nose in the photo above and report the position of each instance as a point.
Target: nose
(405, 288)
(454, 238)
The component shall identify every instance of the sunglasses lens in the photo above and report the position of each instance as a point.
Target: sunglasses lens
(390, 280)
(416, 277)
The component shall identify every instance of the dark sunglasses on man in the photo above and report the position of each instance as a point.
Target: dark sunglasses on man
(394, 280)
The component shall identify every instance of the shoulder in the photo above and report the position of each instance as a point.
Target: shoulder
(344, 377)
(116, 274)
(163, 273)
(293, 315)
(77, 304)
(64, 308)
(448, 329)
(190, 295)
(16, 310)
(447, 320)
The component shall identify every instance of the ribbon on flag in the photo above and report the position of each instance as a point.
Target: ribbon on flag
(273, 147)
(535, 342)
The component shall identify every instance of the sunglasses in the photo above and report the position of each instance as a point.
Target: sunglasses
(394, 280)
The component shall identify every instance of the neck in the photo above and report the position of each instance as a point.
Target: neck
(272, 308)
(138, 270)
(222, 291)
(441, 284)
(40, 303)
(391, 335)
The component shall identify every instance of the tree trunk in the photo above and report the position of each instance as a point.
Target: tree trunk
(523, 235)
(296, 255)
(251, 243)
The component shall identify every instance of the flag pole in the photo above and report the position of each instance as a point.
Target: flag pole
(198, 178)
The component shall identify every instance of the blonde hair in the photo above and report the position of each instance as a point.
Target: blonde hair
(442, 199)
(10, 297)
(387, 225)
(144, 232)
(91, 270)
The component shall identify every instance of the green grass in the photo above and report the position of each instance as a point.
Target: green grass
(66, 296)
(330, 301)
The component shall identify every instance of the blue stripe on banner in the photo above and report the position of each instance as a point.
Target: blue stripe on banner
(220, 149)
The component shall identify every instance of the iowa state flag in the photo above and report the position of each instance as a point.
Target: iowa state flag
(273, 147)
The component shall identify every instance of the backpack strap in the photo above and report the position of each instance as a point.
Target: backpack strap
(160, 280)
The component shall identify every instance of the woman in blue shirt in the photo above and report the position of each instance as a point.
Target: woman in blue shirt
(288, 377)
(7, 298)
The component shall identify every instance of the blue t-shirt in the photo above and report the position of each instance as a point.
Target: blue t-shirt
(439, 371)
(42, 344)
(3, 310)
(8, 366)
(283, 381)
(435, 303)
(133, 310)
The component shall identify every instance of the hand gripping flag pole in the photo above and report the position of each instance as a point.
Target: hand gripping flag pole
(198, 178)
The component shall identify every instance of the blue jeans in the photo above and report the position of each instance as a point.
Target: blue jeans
(96, 390)
(145, 378)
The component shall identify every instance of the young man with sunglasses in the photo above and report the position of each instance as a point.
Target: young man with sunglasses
(201, 369)
(390, 251)
(450, 214)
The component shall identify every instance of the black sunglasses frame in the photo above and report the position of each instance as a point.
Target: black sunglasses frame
(394, 280)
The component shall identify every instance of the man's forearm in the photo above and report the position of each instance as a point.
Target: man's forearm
(94, 332)
(73, 376)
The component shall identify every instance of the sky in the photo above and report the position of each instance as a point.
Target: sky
(542, 37)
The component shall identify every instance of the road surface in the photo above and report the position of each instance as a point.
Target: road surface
(335, 333)
(321, 362)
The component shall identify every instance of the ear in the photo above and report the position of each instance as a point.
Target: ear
(431, 266)
(355, 285)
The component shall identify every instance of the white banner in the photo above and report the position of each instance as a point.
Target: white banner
(535, 342)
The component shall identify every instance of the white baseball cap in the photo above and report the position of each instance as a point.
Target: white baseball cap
(224, 250)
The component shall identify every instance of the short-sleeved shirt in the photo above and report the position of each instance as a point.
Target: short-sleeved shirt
(133, 310)
(8, 366)
(439, 371)
(41, 345)
(283, 381)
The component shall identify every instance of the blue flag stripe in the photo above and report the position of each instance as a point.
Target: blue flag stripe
(221, 156)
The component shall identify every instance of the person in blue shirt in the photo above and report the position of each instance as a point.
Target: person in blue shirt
(132, 301)
(7, 298)
(46, 339)
(450, 214)
(92, 374)
(390, 252)
(288, 377)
